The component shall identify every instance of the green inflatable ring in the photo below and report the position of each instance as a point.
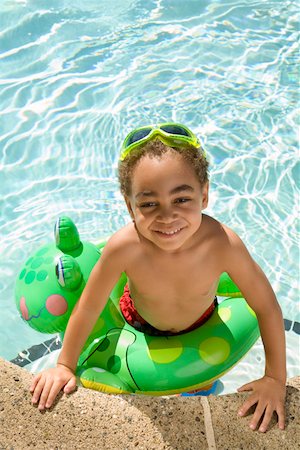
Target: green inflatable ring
(116, 357)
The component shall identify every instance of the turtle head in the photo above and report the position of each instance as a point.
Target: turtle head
(53, 278)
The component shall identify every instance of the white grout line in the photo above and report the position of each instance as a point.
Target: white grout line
(210, 435)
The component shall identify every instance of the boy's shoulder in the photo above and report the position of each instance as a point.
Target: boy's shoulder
(218, 231)
(120, 248)
(125, 234)
(213, 226)
(121, 239)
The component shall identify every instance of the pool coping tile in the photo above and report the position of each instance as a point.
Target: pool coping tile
(88, 419)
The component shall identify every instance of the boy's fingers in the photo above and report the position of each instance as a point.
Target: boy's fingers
(34, 382)
(266, 420)
(247, 405)
(44, 395)
(246, 387)
(281, 417)
(55, 389)
(259, 411)
(37, 390)
(70, 386)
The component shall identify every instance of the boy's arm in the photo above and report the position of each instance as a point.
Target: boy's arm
(268, 392)
(102, 279)
(105, 274)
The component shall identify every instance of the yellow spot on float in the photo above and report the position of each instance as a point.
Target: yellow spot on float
(164, 351)
(225, 314)
(214, 350)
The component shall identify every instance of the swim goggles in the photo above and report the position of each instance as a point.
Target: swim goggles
(172, 134)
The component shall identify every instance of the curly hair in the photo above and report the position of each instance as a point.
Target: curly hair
(156, 149)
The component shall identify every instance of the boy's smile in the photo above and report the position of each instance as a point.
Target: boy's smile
(166, 200)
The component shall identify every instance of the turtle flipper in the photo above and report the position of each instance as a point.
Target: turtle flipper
(102, 380)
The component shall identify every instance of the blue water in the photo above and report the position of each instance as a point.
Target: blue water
(77, 76)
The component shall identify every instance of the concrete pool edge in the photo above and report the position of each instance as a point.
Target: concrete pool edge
(87, 419)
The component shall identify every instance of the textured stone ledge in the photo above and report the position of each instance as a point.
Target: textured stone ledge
(89, 420)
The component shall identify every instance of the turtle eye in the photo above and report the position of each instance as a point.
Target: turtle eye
(68, 272)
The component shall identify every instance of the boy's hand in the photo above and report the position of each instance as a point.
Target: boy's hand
(269, 394)
(46, 385)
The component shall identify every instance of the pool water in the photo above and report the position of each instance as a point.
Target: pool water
(77, 76)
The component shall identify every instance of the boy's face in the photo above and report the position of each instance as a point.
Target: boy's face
(166, 201)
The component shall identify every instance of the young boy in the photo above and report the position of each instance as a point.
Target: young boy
(172, 251)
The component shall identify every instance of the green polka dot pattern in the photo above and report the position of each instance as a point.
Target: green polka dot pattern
(41, 275)
(30, 277)
(34, 263)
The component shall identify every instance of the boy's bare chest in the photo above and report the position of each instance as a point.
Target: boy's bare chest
(175, 275)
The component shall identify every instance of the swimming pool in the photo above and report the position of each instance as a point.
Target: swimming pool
(75, 78)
